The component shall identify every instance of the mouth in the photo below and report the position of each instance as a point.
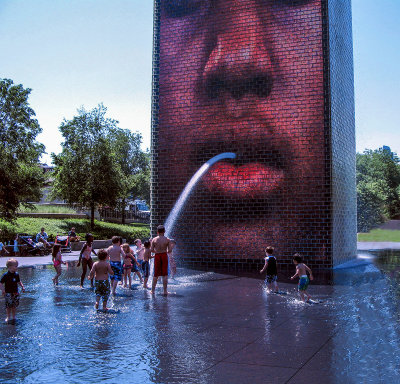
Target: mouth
(257, 171)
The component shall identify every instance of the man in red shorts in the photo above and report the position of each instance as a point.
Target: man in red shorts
(160, 245)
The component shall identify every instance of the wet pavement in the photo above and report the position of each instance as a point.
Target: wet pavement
(213, 328)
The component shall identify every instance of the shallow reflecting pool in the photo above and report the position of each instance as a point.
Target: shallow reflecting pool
(213, 328)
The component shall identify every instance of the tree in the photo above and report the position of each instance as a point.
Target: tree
(130, 159)
(20, 174)
(87, 173)
(141, 181)
(378, 181)
(369, 206)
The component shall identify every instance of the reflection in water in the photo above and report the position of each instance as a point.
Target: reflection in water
(367, 307)
(389, 262)
(170, 340)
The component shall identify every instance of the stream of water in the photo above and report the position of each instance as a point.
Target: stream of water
(190, 186)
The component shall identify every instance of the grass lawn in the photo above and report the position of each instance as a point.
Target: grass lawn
(379, 235)
(47, 208)
(102, 230)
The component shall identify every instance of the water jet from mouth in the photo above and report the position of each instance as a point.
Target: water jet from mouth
(176, 210)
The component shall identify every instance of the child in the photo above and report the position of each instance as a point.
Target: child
(9, 287)
(137, 265)
(100, 271)
(161, 246)
(171, 260)
(128, 265)
(146, 263)
(86, 257)
(301, 272)
(139, 251)
(115, 253)
(57, 261)
(16, 246)
(272, 270)
(3, 248)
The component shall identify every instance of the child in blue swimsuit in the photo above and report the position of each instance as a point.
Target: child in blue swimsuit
(301, 272)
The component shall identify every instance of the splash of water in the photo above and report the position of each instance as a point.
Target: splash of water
(170, 222)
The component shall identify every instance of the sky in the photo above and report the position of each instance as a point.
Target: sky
(75, 53)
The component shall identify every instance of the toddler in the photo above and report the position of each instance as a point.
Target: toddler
(272, 271)
(57, 261)
(130, 263)
(301, 272)
(9, 286)
(171, 260)
(146, 263)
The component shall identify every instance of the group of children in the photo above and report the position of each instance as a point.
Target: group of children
(118, 261)
(271, 279)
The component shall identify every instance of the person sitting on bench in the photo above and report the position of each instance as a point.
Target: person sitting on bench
(73, 236)
(42, 237)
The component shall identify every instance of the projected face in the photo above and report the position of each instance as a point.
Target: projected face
(243, 76)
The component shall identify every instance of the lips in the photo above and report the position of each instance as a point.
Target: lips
(252, 180)
(259, 169)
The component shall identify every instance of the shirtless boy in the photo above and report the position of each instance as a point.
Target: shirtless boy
(301, 272)
(161, 246)
(100, 271)
(146, 263)
(116, 255)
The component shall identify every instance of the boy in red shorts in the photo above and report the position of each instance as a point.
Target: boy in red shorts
(161, 246)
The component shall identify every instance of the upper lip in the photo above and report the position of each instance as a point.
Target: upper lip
(261, 151)
(259, 85)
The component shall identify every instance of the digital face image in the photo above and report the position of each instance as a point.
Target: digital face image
(243, 76)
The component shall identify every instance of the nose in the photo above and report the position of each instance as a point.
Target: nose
(239, 62)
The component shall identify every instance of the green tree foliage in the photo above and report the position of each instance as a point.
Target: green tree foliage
(86, 172)
(378, 181)
(141, 181)
(131, 160)
(20, 175)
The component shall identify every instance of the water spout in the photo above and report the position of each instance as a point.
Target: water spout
(170, 222)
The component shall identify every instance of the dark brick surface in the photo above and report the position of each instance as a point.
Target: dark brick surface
(289, 107)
